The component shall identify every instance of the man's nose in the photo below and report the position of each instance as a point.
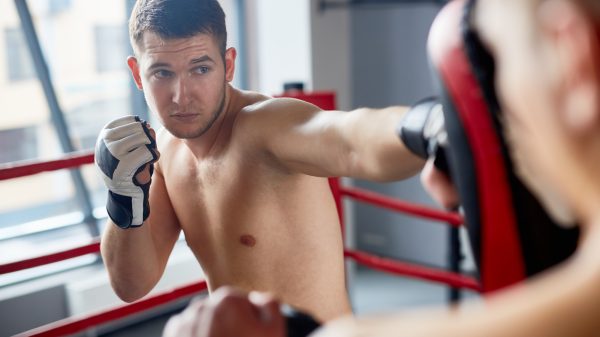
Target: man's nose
(180, 91)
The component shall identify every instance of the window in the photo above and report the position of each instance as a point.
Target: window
(87, 119)
(111, 47)
(20, 66)
(84, 44)
(58, 6)
(18, 144)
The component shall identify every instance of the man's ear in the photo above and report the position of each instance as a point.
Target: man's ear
(230, 55)
(135, 71)
(573, 36)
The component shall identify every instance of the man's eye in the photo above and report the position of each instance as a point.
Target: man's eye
(162, 74)
(202, 69)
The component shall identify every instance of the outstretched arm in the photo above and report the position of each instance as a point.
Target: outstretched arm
(361, 143)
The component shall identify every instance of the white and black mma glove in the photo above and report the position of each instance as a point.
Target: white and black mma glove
(124, 147)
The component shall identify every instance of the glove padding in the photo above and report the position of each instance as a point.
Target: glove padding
(124, 147)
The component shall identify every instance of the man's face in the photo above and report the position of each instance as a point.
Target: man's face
(529, 93)
(184, 81)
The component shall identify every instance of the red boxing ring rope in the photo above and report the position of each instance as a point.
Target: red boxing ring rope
(91, 248)
(73, 325)
(27, 168)
(77, 324)
(453, 219)
(413, 270)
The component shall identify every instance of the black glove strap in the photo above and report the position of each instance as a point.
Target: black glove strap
(146, 189)
(119, 210)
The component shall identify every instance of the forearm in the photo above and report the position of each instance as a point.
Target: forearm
(378, 153)
(131, 260)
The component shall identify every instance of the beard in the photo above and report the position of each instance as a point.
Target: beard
(204, 128)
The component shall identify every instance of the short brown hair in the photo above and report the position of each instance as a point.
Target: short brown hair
(178, 19)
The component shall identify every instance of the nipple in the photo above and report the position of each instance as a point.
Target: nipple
(248, 240)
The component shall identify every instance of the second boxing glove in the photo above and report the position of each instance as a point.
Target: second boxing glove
(423, 132)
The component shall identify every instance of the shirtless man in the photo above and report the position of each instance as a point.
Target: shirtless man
(547, 55)
(243, 175)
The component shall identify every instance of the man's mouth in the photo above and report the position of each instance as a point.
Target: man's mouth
(185, 116)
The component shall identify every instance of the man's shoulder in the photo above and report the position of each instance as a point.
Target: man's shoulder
(261, 116)
(266, 107)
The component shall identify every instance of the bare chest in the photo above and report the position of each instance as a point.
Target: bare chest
(246, 222)
(200, 191)
(221, 199)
